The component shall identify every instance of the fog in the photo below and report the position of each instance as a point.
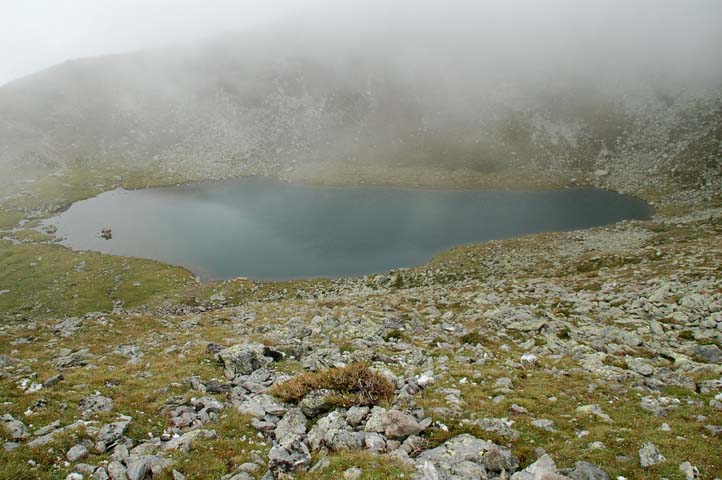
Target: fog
(287, 88)
(35, 34)
(644, 37)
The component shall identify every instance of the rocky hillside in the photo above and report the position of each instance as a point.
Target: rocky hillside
(263, 103)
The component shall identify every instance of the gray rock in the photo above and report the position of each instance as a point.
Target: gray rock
(241, 476)
(120, 453)
(291, 426)
(110, 433)
(209, 404)
(260, 405)
(94, 404)
(375, 442)
(139, 469)
(709, 353)
(130, 351)
(689, 471)
(543, 468)
(14, 428)
(67, 327)
(101, 474)
(52, 380)
(498, 426)
(117, 471)
(427, 471)
(466, 456)
(400, 425)
(6, 362)
(316, 402)
(78, 452)
(47, 428)
(289, 457)
(544, 424)
(338, 440)
(84, 469)
(353, 473)
(595, 410)
(321, 465)
(72, 359)
(587, 471)
(10, 446)
(333, 422)
(356, 415)
(45, 439)
(185, 441)
(249, 467)
(375, 422)
(243, 359)
(640, 366)
(649, 455)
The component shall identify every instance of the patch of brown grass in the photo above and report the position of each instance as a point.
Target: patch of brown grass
(356, 384)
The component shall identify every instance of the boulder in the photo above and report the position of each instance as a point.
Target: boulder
(465, 456)
(709, 353)
(78, 452)
(543, 468)
(587, 471)
(259, 405)
(110, 433)
(649, 455)
(399, 425)
(290, 457)
(185, 441)
(292, 426)
(95, 404)
(14, 428)
(317, 402)
(243, 359)
(67, 327)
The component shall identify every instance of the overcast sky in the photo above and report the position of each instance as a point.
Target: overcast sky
(681, 34)
(35, 34)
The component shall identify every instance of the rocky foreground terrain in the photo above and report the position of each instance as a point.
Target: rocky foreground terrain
(581, 355)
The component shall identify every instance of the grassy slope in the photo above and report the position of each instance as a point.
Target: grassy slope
(140, 390)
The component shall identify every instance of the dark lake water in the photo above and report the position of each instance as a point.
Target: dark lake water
(264, 229)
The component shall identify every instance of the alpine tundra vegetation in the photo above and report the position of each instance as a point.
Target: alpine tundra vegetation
(586, 355)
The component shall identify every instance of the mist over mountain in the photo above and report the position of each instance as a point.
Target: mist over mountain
(558, 88)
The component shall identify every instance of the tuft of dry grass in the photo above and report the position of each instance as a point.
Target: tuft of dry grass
(356, 384)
